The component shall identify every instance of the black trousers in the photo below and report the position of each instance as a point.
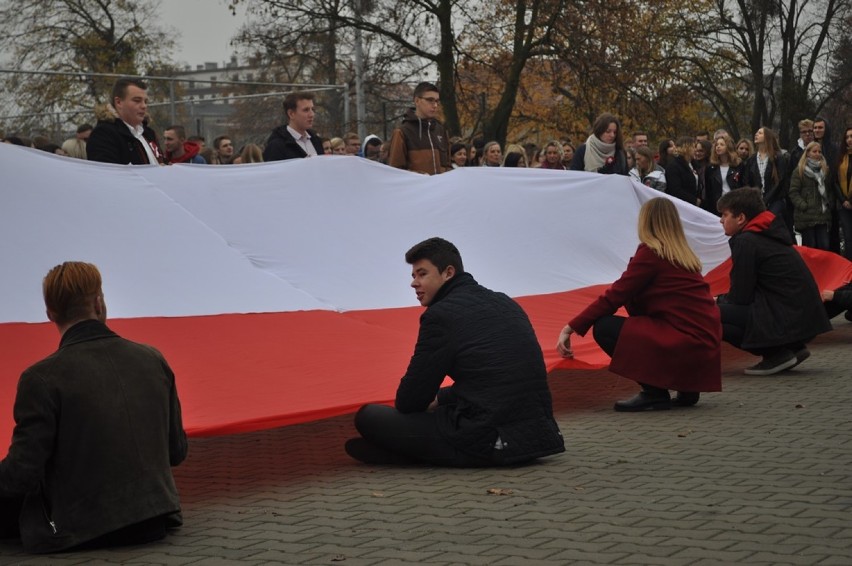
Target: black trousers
(834, 308)
(734, 321)
(606, 331)
(815, 237)
(10, 510)
(138, 533)
(412, 435)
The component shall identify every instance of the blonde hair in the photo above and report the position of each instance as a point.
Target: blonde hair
(484, 162)
(251, 154)
(514, 148)
(685, 147)
(69, 288)
(733, 158)
(661, 230)
(803, 161)
(558, 145)
(749, 144)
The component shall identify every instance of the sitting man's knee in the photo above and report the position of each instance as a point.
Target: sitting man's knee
(369, 416)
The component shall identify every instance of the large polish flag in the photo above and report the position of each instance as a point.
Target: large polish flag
(278, 292)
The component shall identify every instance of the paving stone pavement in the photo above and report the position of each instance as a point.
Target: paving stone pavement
(758, 474)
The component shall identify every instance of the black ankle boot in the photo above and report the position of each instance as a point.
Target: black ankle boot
(686, 398)
(646, 400)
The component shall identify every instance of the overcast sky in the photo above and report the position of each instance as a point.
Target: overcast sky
(206, 28)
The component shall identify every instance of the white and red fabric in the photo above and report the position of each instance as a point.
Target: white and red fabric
(278, 291)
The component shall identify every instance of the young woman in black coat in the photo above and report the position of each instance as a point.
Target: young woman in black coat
(681, 179)
(767, 170)
(745, 149)
(666, 152)
(842, 174)
(724, 173)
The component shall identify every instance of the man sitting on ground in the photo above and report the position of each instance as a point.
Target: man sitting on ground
(773, 307)
(97, 427)
(498, 410)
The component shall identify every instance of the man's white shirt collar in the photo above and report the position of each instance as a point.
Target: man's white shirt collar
(304, 141)
(137, 133)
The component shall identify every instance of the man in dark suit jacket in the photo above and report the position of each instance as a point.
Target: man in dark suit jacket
(296, 139)
(97, 428)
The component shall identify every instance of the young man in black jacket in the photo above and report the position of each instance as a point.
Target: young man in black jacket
(773, 307)
(122, 134)
(498, 410)
(296, 139)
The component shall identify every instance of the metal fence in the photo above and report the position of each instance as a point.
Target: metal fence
(207, 107)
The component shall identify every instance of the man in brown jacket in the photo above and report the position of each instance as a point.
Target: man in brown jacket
(97, 428)
(420, 143)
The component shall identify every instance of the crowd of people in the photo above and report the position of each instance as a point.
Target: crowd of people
(809, 185)
(89, 478)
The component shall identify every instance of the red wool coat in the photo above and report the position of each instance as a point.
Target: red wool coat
(672, 338)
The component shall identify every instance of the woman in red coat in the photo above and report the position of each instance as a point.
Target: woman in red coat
(672, 338)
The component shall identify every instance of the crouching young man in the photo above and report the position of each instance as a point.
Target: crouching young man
(498, 410)
(773, 308)
(838, 300)
(97, 428)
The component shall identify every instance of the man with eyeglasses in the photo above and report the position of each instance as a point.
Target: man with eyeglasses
(419, 144)
(806, 136)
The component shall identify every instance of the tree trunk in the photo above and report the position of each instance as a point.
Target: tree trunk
(447, 69)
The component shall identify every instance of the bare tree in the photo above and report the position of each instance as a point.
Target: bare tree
(420, 29)
(300, 47)
(777, 50)
(84, 36)
(498, 49)
(838, 100)
(434, 33)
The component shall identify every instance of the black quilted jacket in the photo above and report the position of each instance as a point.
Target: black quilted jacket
(499, 405)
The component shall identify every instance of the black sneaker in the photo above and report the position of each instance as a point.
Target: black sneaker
(848, 315)
(801, 355)
(770, 365)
